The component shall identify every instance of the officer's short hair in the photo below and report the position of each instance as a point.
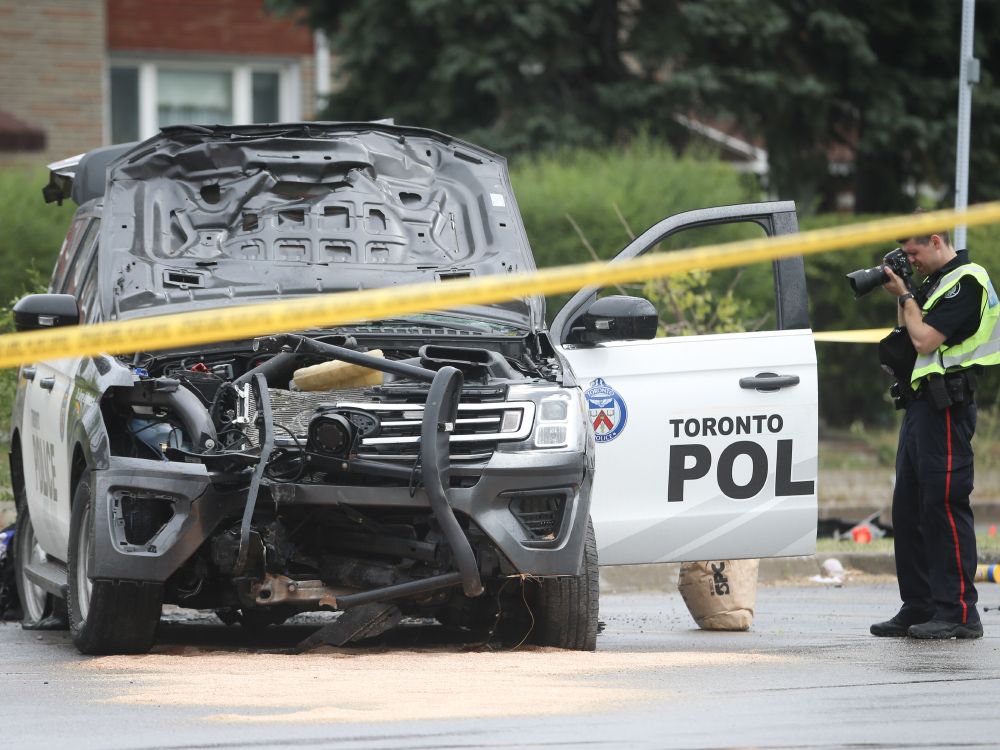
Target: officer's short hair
(925, 239)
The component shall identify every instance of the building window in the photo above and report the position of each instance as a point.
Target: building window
(266, 97)
(125, 110)
(146, 96)
(203, 97)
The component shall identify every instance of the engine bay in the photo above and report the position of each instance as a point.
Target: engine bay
(350, 415)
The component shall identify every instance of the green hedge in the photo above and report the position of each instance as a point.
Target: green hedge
(31, 231)
(583, 204)
(644, 182)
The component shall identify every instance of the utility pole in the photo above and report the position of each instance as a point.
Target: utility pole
(968, 77)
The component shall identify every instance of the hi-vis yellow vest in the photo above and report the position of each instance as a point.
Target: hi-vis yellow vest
(981, 348)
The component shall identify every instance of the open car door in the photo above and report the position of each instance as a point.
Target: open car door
(706, 445)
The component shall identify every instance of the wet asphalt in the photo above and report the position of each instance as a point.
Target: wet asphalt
(817, 679)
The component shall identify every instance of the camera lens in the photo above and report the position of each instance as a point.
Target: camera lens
(867, 279)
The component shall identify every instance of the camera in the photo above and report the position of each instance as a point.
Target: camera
(866, 279)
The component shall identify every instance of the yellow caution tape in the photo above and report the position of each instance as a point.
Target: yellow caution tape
(246, 321)
(859, 336)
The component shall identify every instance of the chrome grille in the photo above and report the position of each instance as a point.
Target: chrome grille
(478, 429)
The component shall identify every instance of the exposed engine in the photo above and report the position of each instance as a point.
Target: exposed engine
(306, 435)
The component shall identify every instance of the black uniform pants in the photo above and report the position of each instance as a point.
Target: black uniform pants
(932, 520)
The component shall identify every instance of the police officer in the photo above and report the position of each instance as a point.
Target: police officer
(951, 321)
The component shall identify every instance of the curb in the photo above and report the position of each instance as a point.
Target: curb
(620, 579)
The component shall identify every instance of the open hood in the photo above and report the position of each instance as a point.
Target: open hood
(196, 214)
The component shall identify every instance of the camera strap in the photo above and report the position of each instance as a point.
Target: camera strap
(927, 287)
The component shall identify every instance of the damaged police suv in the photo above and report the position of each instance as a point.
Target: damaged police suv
(440, 465)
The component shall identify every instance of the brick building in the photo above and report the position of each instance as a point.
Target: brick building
(93, 72)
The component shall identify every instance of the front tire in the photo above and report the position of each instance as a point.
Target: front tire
(566, 608)
(552, 611)
(105, 617)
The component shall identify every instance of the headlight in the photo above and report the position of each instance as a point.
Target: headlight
(559, 418)
(554, 408)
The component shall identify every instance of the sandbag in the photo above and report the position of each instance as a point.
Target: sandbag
(720, 594)
(333, 375)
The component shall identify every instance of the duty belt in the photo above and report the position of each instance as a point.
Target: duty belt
(948, 389)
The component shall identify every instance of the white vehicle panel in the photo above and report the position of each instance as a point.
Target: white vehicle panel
(43, 443)
(702, 468)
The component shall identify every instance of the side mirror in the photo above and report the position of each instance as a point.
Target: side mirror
(40, 311)
(615, 318)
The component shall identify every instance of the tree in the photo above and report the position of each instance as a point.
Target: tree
(515, 76)
(805, 76)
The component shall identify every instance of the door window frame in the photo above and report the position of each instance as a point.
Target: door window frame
(774, 217)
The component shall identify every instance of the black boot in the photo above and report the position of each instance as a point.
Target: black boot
(941, 630)
(897, 627)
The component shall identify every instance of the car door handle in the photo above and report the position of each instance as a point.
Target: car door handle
(28, 373)
(48, 383)
(768, 381)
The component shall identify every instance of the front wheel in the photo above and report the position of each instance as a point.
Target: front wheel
(105, 617)
(552, 611)
(566, 608)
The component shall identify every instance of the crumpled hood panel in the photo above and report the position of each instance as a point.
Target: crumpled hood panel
(198, 214)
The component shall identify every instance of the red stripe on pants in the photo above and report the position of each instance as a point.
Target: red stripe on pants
(951, 520)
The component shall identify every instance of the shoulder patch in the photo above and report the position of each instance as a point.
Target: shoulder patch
(608, 412)
(953, 291)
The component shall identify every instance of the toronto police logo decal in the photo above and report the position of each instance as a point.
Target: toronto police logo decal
(608, 413)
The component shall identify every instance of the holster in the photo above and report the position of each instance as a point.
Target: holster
(935, 389)
(949, 389)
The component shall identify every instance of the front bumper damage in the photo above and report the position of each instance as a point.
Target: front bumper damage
(200, 504)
